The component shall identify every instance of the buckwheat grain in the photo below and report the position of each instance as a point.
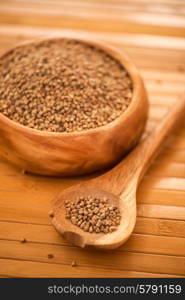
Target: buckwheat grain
(62, 86)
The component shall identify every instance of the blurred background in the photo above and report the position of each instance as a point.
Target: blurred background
(150, 32)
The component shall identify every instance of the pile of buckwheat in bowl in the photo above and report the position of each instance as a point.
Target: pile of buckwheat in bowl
(62, 85)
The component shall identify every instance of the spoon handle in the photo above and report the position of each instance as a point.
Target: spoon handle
(152, 145)
(133, 167)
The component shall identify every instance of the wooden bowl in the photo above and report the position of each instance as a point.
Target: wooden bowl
(76, 153)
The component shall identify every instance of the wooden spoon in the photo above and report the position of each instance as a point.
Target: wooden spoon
(119, 185)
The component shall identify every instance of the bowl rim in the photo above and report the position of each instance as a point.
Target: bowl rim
(121, 57)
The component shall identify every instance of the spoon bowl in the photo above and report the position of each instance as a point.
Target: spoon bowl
(76, 235)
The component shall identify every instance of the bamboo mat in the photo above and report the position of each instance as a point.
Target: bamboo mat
(152, 34)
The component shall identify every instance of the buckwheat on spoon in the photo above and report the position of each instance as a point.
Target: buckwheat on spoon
(93, 214)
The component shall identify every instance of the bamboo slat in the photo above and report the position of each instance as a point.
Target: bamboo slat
(18, 268)
(140, 262)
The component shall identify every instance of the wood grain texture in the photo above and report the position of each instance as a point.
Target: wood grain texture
(77, 153)
(22, 268)
(122, 259)
(47, 235)
(157, 48)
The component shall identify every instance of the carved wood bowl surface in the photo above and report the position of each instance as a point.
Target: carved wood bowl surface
(76, 153)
